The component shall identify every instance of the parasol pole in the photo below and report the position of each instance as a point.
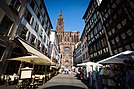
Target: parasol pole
(21, 65)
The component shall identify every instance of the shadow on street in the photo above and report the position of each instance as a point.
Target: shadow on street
(64, 87)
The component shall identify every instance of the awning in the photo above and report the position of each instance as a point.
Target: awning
(88, 63)
(118, 58)
(34, 51)
(32, 59)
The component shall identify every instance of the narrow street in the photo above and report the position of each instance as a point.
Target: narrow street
(61, 81)
(64, 81)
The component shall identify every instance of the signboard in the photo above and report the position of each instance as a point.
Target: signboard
(26, 74)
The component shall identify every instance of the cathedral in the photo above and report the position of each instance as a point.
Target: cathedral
(67, 41)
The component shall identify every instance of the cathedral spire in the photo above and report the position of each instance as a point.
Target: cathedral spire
(60, 23)
(60, 14)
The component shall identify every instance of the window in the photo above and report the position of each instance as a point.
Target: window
(32, 5)
(119, 12)
(113, 42)
(23, 33)
(36, 27)
(131, 4)
(66, 50)
(129, 32)
(15, 4)
(39, 45)
(44, 38)
(41, 33)
(28, 17)
(114, 5)
(109, 33)
(33, 40)
(5, 25)
(117, 39)
(118, 1)
(119, 26)
(123, 36)
(113, 30)
(65, 39)
(91, 33)
(31, 20)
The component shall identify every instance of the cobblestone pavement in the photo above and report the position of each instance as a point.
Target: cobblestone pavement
(64, 81)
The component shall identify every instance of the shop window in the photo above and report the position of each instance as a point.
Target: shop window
(5, 25)
(2, 49)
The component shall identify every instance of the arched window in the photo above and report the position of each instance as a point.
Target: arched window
(66, 50)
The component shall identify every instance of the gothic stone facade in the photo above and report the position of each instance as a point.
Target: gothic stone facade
(67, 41)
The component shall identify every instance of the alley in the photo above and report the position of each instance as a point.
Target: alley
(64, 81)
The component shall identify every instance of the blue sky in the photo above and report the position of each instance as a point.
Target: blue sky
(72, 11)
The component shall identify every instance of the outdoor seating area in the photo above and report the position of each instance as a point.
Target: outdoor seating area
(9, 79)
(33, 71)
(27, 78)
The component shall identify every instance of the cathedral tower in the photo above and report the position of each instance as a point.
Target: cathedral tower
(67, 41)
(60, 23)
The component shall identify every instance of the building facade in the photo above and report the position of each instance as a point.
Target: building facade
(67, 41)
(78, 54)
(24, 30)
(109, 27)
(118, 17)
(54, 48)
(84, 47)
(96, 39)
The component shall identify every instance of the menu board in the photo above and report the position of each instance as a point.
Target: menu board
(26, 74)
